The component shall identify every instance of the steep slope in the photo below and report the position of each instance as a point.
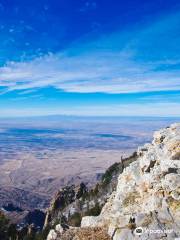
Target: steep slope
(147, 198)
(71, 203)
(146, 202)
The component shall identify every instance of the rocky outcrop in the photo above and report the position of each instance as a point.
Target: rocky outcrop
(62, 199)
(146, 203)
(71, 203)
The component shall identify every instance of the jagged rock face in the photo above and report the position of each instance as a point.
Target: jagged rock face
(63, 198)
(72, 202)
(148, 193)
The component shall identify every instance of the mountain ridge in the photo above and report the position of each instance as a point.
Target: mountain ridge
(146, 202)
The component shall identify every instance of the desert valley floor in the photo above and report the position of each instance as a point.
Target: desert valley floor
(37, 156)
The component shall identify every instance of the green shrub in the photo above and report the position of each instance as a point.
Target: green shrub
(107, 176)
(95, 211)
(75, 219)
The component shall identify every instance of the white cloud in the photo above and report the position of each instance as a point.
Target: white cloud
(111, 64)
(97, 73)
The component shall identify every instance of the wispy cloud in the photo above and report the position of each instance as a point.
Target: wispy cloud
(125, 62)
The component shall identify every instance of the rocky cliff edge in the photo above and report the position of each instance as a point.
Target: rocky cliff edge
(146, 202)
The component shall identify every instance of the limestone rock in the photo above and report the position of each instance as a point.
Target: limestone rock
(147, 197)
(90, 221)
(59, 228)
(52, 235)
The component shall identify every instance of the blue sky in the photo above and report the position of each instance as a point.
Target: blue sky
(90, 57)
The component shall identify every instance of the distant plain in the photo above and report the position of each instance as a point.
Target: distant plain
(40, 155)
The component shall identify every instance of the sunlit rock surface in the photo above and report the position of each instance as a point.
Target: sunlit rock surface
(146, 202)
(148, 193)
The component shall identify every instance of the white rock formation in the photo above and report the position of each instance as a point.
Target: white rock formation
(52, 235)
(146, 203)
(59, 228)
(89, 221)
